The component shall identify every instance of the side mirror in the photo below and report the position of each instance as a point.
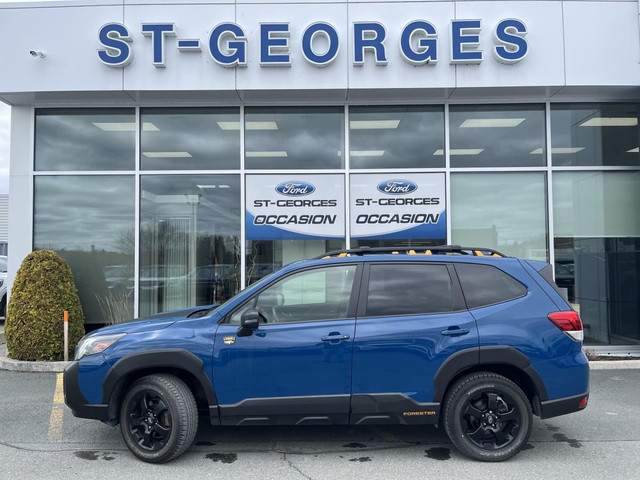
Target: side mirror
(249, 321)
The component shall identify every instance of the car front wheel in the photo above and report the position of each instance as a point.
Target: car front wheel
(158, 418)
(487, 417)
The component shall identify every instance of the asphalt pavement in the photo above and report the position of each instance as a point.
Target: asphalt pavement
(40, 439)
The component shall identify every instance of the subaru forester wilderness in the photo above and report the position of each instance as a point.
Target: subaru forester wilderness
(461, 336)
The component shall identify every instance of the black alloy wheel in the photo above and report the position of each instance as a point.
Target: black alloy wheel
(487, 417)
(149, 421)
(491, 420)
(158, 418)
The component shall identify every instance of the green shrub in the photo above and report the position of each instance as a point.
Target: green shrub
(43, 289)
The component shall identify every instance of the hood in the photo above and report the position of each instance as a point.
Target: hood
(152, 322)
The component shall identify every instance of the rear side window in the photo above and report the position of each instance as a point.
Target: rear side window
(486, 285)
(408, 289)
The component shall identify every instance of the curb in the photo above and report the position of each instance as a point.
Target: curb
(614, 364)
(20, 366)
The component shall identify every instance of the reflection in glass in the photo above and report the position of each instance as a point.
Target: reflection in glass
(189, 241)
(496, 136)
(190, 138)
(267, 256)
(294, 137)
(89, 221)
(595, 134)
(317, 294)
(504, 211)
(396, 137)
(85, 139)
(597, 251)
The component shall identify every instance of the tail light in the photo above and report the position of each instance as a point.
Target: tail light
(569, 322)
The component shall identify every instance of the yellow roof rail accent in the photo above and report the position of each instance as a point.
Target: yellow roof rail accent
(438, 250)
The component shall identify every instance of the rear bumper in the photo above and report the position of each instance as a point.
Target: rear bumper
(76, 401)
(562, 406)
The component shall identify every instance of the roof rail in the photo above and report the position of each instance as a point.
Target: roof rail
(439, 250)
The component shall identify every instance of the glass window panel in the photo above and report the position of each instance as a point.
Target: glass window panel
(294, 138)
(409, 290)
(396, 137)
(597, 251)
(485, 285)
(189, 241)
(85, 139)
(595, 134)
(267, 256)
(318, 294)
(504, 211)
(91, 225)
(497, 136)
(190, 138)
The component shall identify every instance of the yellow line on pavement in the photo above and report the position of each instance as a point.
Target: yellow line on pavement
(57, 411)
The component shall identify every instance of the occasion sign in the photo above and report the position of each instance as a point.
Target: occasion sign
(294, 207)
(388, 205)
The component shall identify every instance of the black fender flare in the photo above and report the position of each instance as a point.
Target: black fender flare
(478, 356)
(169, 358)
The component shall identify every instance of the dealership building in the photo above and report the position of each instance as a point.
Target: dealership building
(174, 152)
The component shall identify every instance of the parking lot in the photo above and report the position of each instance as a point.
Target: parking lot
(40, 438)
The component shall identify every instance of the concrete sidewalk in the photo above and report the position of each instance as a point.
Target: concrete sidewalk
(7, 363)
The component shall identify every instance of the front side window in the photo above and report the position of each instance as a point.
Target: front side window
(318, 294)
(401, 289)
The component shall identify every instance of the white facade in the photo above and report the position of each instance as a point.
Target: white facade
(576, 51)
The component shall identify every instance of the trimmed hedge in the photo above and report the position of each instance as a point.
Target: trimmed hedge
(43, 289)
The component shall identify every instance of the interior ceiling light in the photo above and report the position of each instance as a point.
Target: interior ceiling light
(460, 151)
(167, 154)
(125, 126)
(610, 122)
(366, 153)
(558, 150)
(492, 122)
(373, 124)
(634, 150)
(266, 154)
(207, 187)
(248, 125)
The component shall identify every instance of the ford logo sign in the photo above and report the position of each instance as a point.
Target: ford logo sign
(295, 188)
(397, 187)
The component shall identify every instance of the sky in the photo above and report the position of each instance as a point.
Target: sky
(5, 115)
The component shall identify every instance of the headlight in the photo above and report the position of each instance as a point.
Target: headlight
(96, 344)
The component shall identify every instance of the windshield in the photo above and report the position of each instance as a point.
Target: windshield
(255, 286)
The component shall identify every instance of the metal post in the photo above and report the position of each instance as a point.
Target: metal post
(66, 336)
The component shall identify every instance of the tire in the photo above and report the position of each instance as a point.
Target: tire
(487, 417)
(158, 418)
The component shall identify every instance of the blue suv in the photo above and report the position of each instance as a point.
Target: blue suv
(464, 337)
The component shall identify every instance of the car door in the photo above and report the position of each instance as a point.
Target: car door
(411, 317)
(295, 367)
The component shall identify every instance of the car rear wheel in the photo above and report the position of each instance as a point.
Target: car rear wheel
(158, 418)
(487, 417)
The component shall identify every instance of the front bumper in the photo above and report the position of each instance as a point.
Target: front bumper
(562, 406)
(76, 401)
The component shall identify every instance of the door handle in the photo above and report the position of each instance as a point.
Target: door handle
(332, 337)
(455, 331)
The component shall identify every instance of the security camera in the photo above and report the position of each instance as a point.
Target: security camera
(37, 53)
